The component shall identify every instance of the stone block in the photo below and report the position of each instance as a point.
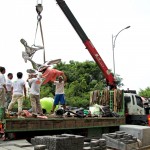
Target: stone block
(140, 132)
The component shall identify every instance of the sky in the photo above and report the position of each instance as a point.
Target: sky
(100, 20)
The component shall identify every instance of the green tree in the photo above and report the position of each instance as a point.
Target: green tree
(82, 77)
(145, 93)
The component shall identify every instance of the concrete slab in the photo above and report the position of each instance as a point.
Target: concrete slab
(12, 148)
(23, 144)
(140, 132)
(16, 145)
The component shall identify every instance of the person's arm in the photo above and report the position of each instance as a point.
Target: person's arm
(4, 85)
(64, 77)
(12, 90)
(41, 79)
(24, 87)
(55, 82)
(30, 80)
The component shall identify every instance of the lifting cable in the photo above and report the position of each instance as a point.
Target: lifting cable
(39, 9)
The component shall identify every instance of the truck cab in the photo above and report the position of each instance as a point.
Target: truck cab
(134, 109)
(133, 104)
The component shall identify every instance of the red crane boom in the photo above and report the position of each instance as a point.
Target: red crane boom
(107, 74)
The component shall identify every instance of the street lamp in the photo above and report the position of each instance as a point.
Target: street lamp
(113, 45)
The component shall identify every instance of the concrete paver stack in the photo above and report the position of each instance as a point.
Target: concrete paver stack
(60, 142)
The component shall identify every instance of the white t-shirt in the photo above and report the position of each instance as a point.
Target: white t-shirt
(8, 84)
(18, 87)
(59, 87)
(35, 86)
(2, 80)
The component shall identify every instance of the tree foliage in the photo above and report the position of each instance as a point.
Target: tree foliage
(82, 77)
(145, 93)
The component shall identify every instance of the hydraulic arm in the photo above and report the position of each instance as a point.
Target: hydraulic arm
(109, 77)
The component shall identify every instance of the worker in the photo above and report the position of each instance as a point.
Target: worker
(9, 88)
(59, 92)
(35, 82)
(3, 89)
(18, 88)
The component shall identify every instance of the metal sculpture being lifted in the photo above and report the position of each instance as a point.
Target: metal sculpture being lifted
(47, 72)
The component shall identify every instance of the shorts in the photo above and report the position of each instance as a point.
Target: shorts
(59, 98)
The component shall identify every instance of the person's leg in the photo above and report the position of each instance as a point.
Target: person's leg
(2, 98)
(33, 103)
(38, 105)
(12, 103)
(53, 108)
(56, 101)
(20, 102)
(62, 101)
(64, 106)
(1, 92)
(8, 98)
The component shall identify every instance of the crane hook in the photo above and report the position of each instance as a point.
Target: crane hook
(39, 8)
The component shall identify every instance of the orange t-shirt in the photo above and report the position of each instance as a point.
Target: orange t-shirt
(51, 75)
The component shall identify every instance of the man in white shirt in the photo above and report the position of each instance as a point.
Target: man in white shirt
(9, 89)
(35, 84)
(3, 89)
(59, 92)
(18, 89)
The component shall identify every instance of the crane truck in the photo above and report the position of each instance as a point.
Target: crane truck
(85, 126)
(135, 112)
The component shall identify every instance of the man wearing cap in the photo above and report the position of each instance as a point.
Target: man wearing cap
(59, 92)
(35, 84)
